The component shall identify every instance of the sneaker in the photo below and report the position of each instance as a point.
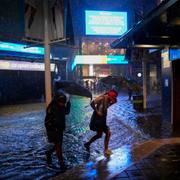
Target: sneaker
(48, 157)
(86, 145)
(107, 152)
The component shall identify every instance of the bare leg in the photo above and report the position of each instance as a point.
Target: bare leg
(94, 138)
(58, 148)
(107, 138)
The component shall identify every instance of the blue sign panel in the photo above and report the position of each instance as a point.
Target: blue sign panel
(105, 23)
(174, 54)
(116, 60)
(6, 46)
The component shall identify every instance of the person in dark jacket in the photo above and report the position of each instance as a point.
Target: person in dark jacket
(55, 125)
(98, 119)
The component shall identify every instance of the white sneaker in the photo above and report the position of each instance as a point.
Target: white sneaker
(108, 152)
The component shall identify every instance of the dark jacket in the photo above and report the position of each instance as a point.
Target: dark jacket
(55, 115)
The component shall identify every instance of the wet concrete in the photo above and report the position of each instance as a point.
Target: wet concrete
(163, 163)
(23, 137)
(132, 162)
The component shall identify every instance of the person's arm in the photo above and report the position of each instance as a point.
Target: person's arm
(94, 103)
(67, 107)
(113, 102)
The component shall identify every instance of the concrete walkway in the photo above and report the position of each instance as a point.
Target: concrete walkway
(122, 164)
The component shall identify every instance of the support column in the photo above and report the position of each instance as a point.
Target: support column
(144, 68)
(48, 90)
(67, 69)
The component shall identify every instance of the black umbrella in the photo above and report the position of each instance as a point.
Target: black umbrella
(113, 80)
(73, 88)
(121, 81)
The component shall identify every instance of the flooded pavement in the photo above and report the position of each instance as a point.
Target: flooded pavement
(23, 136)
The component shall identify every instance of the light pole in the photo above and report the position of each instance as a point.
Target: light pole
(48, 89)
(144, 84)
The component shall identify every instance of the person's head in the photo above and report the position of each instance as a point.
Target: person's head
(112, 94)
(60, 98)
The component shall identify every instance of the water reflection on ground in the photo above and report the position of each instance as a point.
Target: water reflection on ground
(23, 137)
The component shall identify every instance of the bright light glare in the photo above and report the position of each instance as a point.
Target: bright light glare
(91, 70)
(139, 74)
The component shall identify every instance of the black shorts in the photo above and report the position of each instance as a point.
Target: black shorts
(55, 136)
(98, 123)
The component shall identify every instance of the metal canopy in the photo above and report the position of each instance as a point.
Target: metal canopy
(160, 28)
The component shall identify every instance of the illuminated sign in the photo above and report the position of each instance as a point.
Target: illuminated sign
(98, 59)
(165, 58)
(105, 23)
(174, 54)
(24, 66)
(6, 46)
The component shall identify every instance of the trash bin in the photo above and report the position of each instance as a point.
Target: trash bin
(138, 102)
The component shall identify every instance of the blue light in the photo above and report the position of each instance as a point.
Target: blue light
(116, 60)
(105, 23)
(174, 54)
(6, 46)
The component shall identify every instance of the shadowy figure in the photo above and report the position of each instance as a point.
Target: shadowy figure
(55, 125)
(98, 119)
(130, 91)
(87, 84)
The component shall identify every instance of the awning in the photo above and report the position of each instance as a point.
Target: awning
(160, 28)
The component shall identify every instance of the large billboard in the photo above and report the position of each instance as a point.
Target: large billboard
(105, 23)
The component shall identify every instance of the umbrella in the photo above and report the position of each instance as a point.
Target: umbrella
(113, 80)
(121, 81)
(73, 88)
